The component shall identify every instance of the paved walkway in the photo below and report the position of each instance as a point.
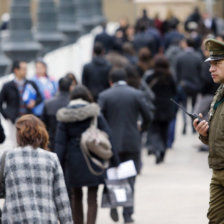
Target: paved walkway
(175, 192)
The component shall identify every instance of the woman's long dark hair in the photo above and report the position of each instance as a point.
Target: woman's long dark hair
(133, 77)
(161, 67)
(81, 92)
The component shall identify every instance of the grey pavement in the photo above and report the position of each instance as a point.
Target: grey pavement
(175, 192)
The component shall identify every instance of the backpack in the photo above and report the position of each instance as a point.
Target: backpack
(96, 142)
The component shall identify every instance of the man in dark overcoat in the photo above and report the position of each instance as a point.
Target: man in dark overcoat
(95, 74)
(121, 105)
(188, 71)
(51, 106)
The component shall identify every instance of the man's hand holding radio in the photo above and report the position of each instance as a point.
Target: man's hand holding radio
(201, 127)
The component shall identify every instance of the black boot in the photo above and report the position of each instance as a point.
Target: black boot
(158, 158)
(128, 219)
(114, 214)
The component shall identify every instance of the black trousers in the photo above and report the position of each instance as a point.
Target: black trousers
(128, 211)
(158, 137)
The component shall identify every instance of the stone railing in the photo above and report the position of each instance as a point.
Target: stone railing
(57, 26)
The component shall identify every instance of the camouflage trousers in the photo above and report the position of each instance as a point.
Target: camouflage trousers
(216, 203)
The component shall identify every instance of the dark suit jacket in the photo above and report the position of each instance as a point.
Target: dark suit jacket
(189, 70)
(10, 96)
(106, 39)
(121, 105)
(144, 39)
(51, 106)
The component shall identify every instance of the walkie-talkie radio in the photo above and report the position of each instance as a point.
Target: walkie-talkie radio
(193, 116)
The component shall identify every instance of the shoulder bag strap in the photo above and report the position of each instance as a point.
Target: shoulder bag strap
(95, 161)
(94, 122)
(87, 156)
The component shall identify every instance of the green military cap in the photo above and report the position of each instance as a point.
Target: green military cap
(215, 48)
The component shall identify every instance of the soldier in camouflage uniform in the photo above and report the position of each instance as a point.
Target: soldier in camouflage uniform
(212, 133)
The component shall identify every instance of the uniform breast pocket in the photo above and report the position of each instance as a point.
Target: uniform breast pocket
(220, 125)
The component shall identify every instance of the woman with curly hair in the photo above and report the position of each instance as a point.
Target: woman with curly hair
(35, 190)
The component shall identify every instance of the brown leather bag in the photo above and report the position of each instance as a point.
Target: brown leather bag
(96, 142)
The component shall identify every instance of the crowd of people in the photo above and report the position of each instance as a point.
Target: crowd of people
(127, 86)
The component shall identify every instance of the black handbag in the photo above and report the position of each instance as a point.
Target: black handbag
(117, 193)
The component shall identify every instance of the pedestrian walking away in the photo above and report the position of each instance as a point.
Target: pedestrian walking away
(35, 189)
(73, 121)
(163, 85)
(52, 105)
(95, 73)
(122, 105)
(188, 71)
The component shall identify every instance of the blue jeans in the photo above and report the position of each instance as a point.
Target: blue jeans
(171, 133)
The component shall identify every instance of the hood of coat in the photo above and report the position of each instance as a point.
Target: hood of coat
(78, 110)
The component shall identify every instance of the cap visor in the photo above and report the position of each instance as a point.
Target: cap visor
(208, 59)
(213, 59)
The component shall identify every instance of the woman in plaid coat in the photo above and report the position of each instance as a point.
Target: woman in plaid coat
(34, 182)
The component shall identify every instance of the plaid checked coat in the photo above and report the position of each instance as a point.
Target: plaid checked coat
(35, 188)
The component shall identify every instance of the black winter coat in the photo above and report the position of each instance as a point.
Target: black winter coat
(106, 39)
(164, 88)
(67, 143)
(95, 75)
